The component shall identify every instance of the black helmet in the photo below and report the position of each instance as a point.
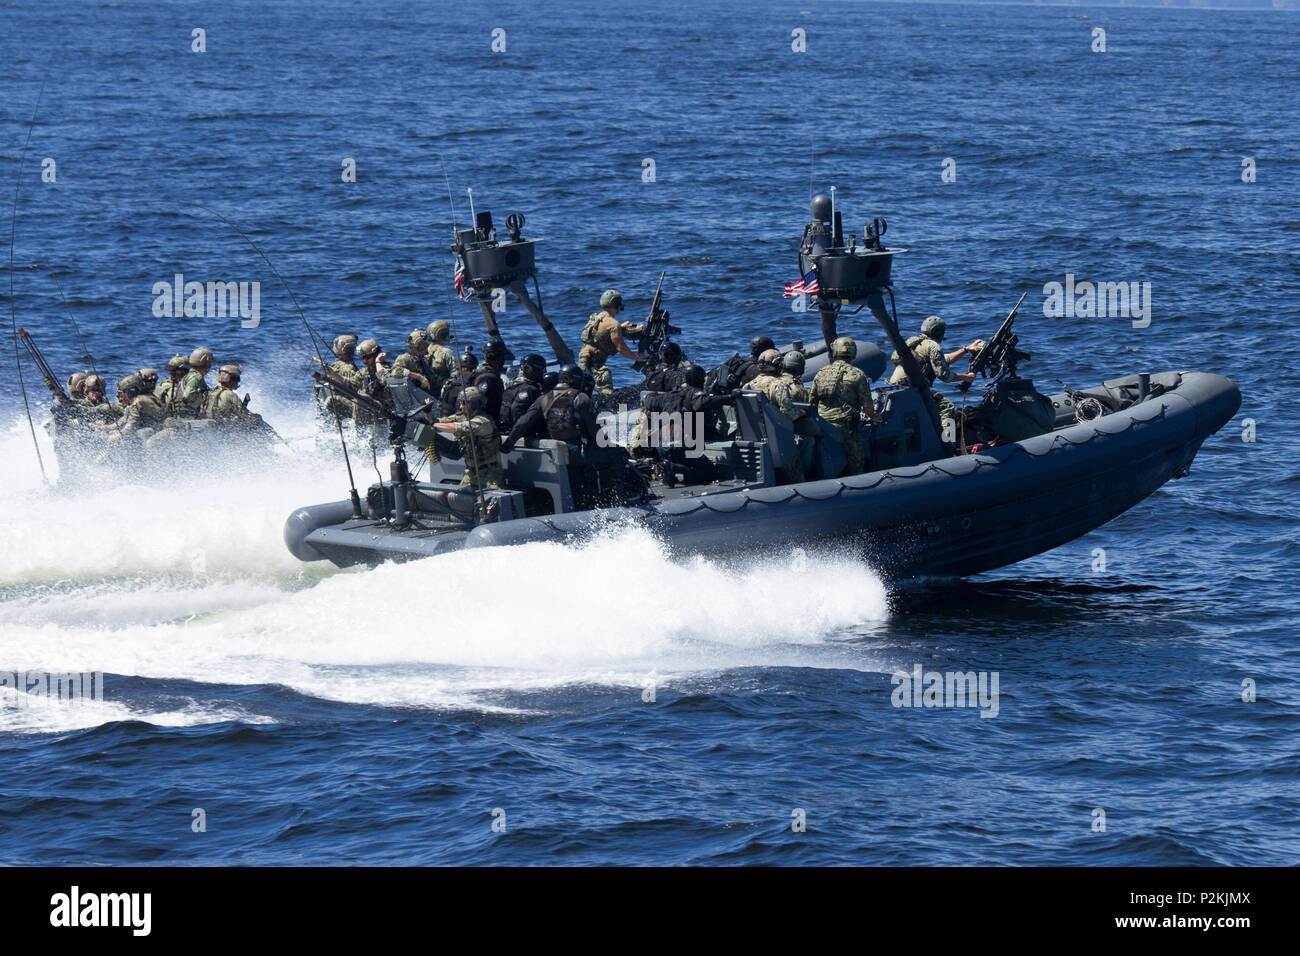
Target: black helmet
(760, 344)
(493, 350)
(571, 376)
(671, 354)
(532, 367)
(551, 380)
(468, 360)
(694, 376)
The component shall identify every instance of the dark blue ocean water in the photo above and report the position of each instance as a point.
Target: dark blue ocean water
(394, 715)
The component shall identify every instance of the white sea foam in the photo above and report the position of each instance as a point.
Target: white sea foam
(194, 583)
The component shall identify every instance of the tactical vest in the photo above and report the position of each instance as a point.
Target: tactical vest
(926, 369)
(481, 448)
(516, 400)
(559, 410)
(831, 403)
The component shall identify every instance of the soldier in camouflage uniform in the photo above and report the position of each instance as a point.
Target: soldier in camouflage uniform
(344, 366)
(929, 354)
(77, 385)
(414, 362)
(223, 405)
(97, 410)
(194, 388)
(142, 413)
(843, 395)
(168, 393)
(806, 430)
(441, 358)
(371, 380)
(772, 384)
(480, 442)
(602, 337)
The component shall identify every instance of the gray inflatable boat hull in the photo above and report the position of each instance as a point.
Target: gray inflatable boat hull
(956, 516)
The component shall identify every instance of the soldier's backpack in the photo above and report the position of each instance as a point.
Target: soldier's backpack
(588, 334)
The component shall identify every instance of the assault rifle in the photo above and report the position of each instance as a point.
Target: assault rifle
(1000, 356)
(60, 396)
(652, 334)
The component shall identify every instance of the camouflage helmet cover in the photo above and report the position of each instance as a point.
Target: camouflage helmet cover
(439, 330)
(844, 347)
(178, 363)
(471, 397)
(132, 384)
(934, 327)
(770, 357)
(345, 345)
(201, 357)
(611, 297)
(417, 337)
(94, 383)
(227, 372)
(368, 348)
(793, 362)
(77, 382)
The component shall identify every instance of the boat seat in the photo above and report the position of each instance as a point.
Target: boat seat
(541, 463)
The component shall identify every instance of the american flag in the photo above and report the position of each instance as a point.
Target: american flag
(458, 279)
(805, 286)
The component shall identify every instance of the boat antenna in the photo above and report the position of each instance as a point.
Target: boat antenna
(84, 348)
(315, 339)
(812, 170)
(13, 314)
(473, 220)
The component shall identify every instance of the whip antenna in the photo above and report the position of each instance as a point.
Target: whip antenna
(13, 314)
(67, 308)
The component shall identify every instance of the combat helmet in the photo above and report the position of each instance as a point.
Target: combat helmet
(934, 327)
(77, 384)
(468, 361)
(611, 298)
(417, 337)
(439, 330)
(131, 385)
(532, 367)
(149, 377)
(571, 376)
(178, 363)
(671, 354)
(94, 383)
(771, 358)
(201, 358)
(694, 376)
(368, 348)
(844, 348)
(471, 398)
(228, 375)
(794, 363)
(345, 346)
(760, 344)
(494, 349)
